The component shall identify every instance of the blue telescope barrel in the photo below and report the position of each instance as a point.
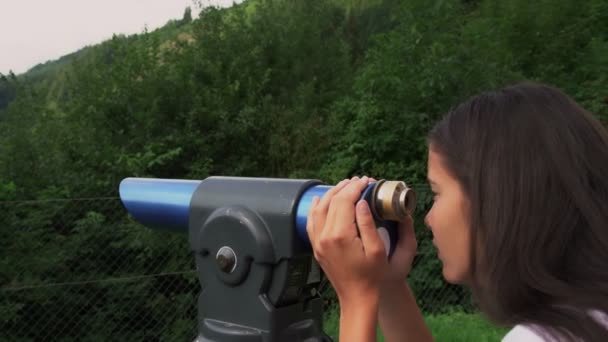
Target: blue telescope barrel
(165, 203)
(159, 203)
(304, 205)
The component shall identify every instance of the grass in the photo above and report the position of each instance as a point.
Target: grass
(454, 327)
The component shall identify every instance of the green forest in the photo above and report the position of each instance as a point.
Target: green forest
(323, 89)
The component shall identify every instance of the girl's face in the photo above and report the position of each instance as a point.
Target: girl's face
(449, 222)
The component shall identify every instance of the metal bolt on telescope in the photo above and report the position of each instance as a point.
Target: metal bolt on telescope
(258, 277)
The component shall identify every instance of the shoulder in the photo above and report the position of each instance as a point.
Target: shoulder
(601, 317)
(522, 333)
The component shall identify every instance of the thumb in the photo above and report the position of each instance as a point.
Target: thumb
(407, 236)
(406, 227)
(372, 244)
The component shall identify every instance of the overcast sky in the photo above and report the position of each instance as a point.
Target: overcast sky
(34, 31)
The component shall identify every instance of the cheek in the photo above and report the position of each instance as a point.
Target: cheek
(451, 235)
(431, 221)
(460, 251)
(438, 220)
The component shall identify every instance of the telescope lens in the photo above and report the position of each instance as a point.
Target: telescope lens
(407, 200)
(393, 200)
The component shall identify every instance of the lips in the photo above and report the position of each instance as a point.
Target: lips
(438, 253)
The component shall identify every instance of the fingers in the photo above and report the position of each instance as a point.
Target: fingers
(324, 203)
(353, 190)
(342, 210)
(333, 218)
(372, 244)
(320, 209)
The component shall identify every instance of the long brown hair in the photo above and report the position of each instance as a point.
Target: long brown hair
(534, 166)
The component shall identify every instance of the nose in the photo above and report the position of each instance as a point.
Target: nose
(427, 220)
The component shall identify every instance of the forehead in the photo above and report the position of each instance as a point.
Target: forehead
(436, 171)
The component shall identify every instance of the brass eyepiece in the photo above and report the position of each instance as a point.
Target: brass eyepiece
(393, 200)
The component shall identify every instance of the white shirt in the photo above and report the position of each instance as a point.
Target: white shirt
(522, 333)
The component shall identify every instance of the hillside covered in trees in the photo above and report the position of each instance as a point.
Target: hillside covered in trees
(286, 89)
(320, 89)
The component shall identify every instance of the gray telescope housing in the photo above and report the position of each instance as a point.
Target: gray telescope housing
(257, 277)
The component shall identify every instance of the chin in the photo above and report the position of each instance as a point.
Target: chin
(453, 277)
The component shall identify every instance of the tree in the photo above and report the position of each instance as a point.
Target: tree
(7, 90)
(187, 18)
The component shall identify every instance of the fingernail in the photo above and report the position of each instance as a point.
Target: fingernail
(362, 207)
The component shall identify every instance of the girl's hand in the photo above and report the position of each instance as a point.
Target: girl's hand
(400, 263)
(355, 265)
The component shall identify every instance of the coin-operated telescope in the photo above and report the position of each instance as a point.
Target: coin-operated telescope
(258, 276)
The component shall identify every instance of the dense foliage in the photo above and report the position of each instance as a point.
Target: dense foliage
(285, 88)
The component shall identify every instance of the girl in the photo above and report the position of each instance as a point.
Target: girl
(520, 215)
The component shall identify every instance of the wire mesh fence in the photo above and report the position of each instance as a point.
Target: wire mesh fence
(82, 270)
